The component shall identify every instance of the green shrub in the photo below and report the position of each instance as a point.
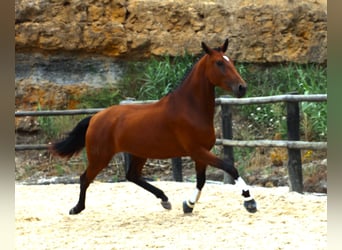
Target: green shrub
(100, 97)
(282, 79)
(156, 77)
(53, 127)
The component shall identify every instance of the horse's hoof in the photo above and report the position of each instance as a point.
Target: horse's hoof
(187, 208)
(250, 205)
(166, 205)
(75, 210)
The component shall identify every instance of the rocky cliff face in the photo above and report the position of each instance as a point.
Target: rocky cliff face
(64, 47)
(260, 31)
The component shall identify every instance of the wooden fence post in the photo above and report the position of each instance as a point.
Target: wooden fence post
(295, 161)
(177, 169)
(227, 133)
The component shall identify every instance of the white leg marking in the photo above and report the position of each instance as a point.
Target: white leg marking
(195, 196)
(241, 184)
(248, 198)
(191, 205)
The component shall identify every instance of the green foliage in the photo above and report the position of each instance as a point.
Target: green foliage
(313, 80)
(100, 97)
(59, 169)
(283, 79)
(157, 77)
(53, 127)
(161, 77)
(48, 125)
(131, 82)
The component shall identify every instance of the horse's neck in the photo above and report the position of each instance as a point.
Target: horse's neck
(198, 92)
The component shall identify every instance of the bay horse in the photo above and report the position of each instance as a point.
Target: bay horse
(179, 124)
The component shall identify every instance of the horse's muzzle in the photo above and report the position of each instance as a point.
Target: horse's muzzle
(241, 91)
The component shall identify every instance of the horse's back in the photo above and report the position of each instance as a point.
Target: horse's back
(146, 130)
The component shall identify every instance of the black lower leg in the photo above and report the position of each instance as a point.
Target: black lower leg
(188, 205)
(149, 187)
(228, 167)
(81, 202)
(200, 179)
(134, 175)
(154, 190)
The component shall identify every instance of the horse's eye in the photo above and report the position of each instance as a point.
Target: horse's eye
(220, 63)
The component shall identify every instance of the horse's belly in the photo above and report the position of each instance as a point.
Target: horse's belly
(152, 146)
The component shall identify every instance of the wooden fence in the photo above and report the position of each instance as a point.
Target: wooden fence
(293, 144)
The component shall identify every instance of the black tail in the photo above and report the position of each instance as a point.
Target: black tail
(75, 141)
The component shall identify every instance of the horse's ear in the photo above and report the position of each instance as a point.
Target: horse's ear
(225, 45)
(206, 48)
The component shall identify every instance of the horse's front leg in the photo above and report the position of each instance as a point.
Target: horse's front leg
(249, 202)
(206, 157)
(188, 205)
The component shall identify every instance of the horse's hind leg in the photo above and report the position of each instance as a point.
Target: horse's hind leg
(86, 178)
(134, 175)
(189, 204)
(81, 201)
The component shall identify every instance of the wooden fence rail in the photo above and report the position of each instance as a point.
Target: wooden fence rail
(293, 144)
(224, 142)
(272, 99)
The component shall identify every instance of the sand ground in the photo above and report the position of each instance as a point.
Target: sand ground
(124, 216)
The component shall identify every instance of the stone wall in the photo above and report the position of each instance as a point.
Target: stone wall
(259, 31)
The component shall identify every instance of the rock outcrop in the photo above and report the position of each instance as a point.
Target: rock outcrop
(260, 31)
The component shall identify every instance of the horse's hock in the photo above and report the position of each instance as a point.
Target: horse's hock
(260, 31)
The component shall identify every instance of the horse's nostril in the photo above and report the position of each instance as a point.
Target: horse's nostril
(242, 90)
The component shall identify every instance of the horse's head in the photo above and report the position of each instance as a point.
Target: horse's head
(221, 72)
